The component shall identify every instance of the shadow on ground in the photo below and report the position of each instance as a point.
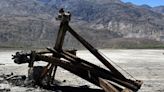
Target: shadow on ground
(72, 89)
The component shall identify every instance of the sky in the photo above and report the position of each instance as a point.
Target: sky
(148, 2)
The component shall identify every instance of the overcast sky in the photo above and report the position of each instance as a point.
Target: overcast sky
(148, 2)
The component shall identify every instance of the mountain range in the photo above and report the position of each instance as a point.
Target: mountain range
(158, 9)
(104, 23)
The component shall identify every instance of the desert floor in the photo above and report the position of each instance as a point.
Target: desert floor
(146, 65)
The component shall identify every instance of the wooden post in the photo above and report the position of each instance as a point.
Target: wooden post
(59, 43)
(61, 36)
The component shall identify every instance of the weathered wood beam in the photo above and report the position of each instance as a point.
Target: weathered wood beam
(85, 72)
(60, 37)
(97, 70)
(107, 86)
(59, 43)
(95, 53)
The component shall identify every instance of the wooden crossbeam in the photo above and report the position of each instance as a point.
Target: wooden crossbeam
(87, 72)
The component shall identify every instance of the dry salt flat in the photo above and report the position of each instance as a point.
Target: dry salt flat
(146, 65)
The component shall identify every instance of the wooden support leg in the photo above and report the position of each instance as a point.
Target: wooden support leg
(45, 70)
(54, 72)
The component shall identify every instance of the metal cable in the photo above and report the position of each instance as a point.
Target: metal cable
(116, 64)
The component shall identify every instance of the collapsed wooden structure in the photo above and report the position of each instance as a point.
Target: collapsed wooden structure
(110, 80)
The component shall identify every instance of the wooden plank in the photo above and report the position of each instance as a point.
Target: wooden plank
(107, 86)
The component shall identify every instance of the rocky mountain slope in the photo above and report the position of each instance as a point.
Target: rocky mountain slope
(31, 23)
(159, 9)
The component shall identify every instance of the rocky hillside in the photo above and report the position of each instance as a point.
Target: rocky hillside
(159, 9)
(31, 23)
